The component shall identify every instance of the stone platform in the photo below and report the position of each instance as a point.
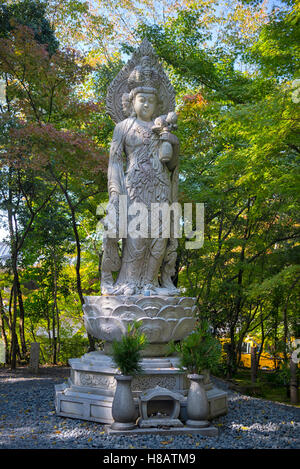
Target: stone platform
(90, 390)
(208, 431)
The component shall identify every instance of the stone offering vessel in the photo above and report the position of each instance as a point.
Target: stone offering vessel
(139, 259)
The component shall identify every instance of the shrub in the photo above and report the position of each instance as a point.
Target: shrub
(127, 352)
(199, 351)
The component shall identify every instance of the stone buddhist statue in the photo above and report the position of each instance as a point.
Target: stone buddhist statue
(143, 166)
(137, 271)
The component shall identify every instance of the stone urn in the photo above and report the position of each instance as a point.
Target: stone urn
(197, 403)
(123, 409)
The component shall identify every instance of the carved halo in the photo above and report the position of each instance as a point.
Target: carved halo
(119, 85)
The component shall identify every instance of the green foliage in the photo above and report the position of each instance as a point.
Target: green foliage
(31, 14)
(69, 347)
(234, 72)
(73, 346)
(277, 49)
(283, 375)
(127, 352)
(240, 146)
(199, 351)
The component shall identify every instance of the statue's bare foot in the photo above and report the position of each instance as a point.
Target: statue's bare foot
(125, 289)
(168, 287)
(129, 290)
(106, 289)
(119, 289)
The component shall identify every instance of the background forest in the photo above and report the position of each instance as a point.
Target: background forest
(235, 67)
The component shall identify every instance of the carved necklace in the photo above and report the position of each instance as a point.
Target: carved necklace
(145, 132)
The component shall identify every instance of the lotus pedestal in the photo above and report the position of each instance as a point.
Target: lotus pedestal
(91, 387)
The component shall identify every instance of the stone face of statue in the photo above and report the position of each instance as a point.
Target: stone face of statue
(144, 105)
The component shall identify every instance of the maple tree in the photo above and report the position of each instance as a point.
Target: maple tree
(239, 157)
(46, 137)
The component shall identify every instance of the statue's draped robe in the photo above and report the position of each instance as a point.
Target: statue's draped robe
(143, 178)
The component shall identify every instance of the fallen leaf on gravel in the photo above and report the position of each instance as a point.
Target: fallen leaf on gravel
(166, 442)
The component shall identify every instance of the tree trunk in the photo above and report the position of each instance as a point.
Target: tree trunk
(22, 316)
(78, 251)
(3, 331)
(56, 307)
(276, 340)
(78, 263)
(231, 359)
(293, 382)
(54, 342)
(258, 355)
(14, 337)
(54, 354)
(253, 365)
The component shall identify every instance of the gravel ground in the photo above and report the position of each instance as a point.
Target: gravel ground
(28, 420)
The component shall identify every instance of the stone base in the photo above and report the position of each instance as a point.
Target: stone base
(90, 391)
(208, 431)
(197, 423)
(121, 427)
(156, 423)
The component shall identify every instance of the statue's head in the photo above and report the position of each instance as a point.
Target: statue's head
(143, 100)
(143, 74)
(144, 105)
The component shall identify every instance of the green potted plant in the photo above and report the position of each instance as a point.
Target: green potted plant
(127, 356)
(198, 352)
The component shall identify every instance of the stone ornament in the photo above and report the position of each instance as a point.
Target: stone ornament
(197, 403)
(142, 67)
(144, 382)
(92, 380)
(151, 397)
(123, 409)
